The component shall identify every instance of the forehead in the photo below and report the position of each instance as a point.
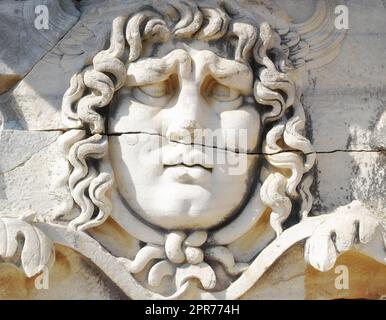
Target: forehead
(223, 49)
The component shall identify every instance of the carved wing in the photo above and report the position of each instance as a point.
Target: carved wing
(24, 245)
(317, 41)
(351, 227)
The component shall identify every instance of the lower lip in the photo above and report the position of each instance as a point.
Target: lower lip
(185, 174)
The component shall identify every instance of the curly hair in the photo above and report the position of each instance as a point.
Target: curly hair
(288, 153)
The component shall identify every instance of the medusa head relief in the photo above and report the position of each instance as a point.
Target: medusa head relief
(187, 133)
(187, 130)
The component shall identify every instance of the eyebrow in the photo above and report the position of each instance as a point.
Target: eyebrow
(227, 72)
(231, 73)
(152, 70)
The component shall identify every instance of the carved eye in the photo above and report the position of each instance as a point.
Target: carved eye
(223, 93)
(222, 97)
(155, 90)
(155, 94)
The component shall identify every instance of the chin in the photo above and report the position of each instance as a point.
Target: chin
(184, 220)
(192, 207)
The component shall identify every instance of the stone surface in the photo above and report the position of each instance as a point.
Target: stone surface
(27, 39)
(232, 152)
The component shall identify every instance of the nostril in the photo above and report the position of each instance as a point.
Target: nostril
(180, 135)
(189, 124)
(182, 131)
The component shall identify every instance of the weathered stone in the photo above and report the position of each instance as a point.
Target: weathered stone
(193, 151)
(31, 177)
(27, 38)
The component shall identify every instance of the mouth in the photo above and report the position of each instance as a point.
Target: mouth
(189, 165)
(208, 168)
(189, 159)
(188, 174)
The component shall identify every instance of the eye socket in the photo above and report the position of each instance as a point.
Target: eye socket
(221, 97)
(155, 90)
(223, 93)
(156, 94)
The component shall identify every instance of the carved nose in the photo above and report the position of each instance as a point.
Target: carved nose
(182, 131)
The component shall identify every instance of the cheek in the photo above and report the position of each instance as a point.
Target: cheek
(128, 115)
(246, 122)
(134, 160)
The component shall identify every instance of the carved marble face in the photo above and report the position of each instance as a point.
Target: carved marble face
(167, 101)
(194, 208)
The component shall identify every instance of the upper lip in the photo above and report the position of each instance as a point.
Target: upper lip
(189, 159)
(186, 165)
